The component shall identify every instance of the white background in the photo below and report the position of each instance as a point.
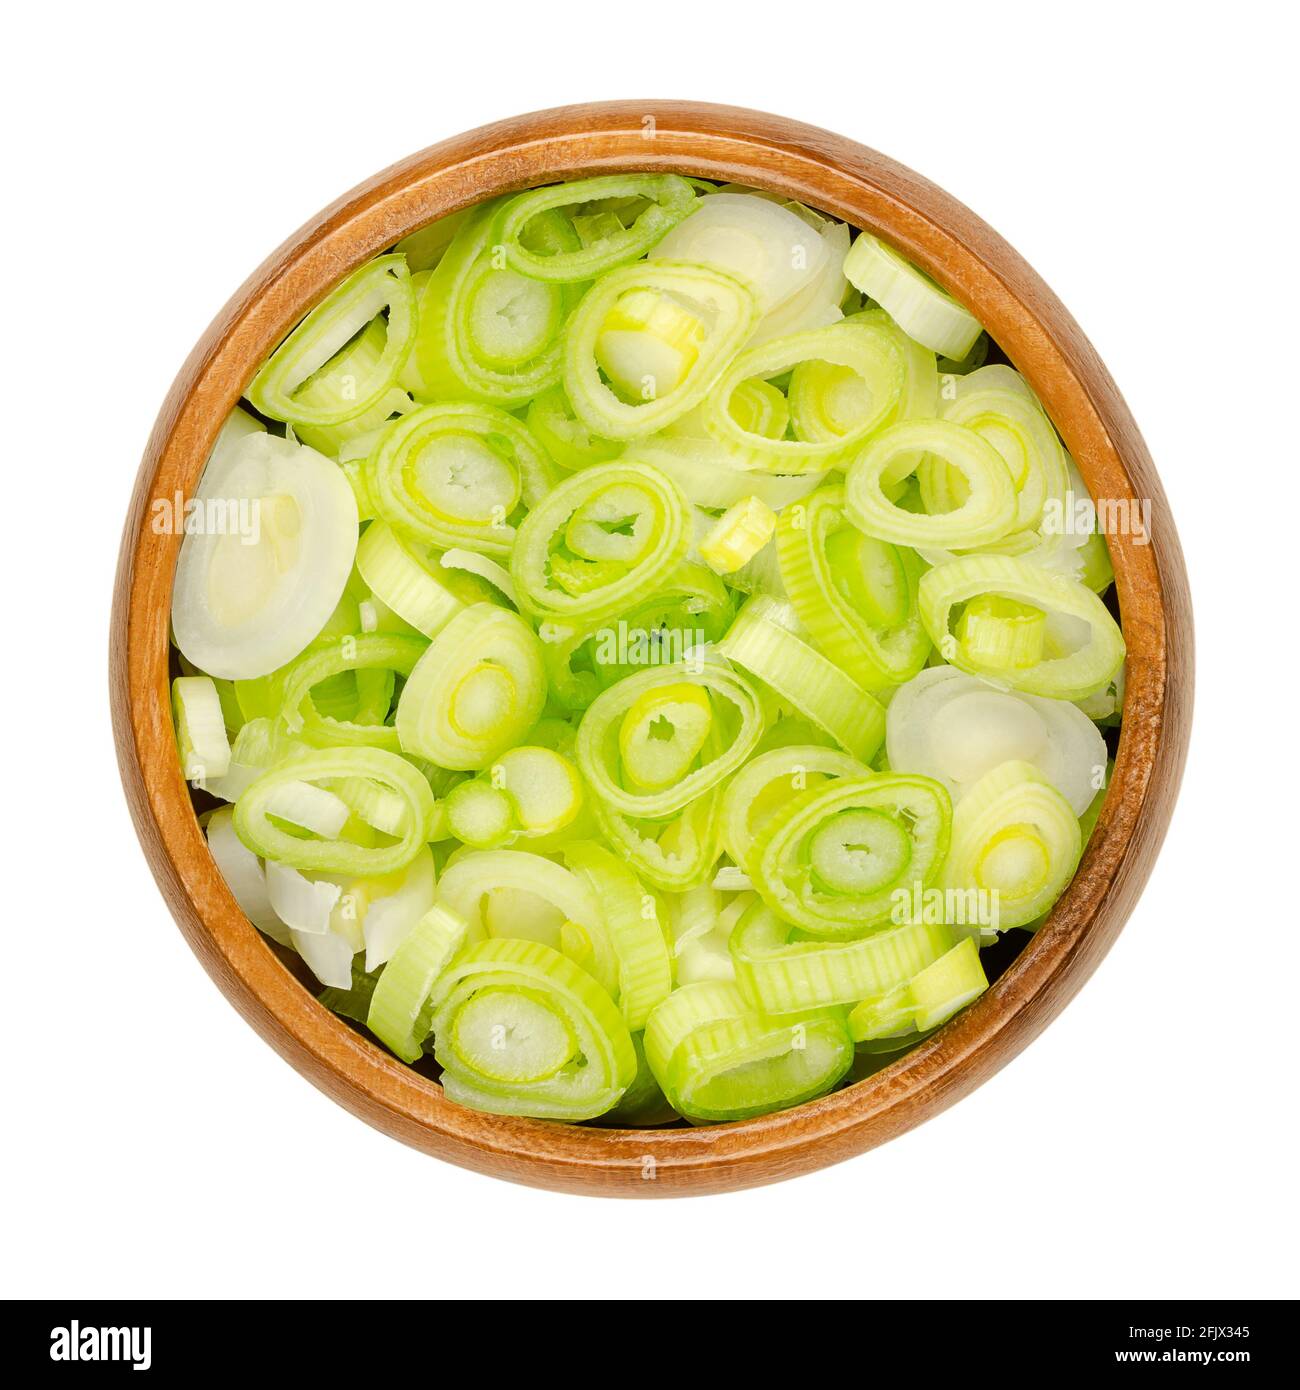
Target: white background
(1142, 157)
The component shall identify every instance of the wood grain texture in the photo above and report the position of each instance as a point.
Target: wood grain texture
(1040, 338)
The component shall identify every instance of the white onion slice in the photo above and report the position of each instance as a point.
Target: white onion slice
(266, 555)
(955, 727)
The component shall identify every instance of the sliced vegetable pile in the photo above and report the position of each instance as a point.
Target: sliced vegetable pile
(627, 645)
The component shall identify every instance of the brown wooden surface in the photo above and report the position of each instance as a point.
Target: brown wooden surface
(1042, 340)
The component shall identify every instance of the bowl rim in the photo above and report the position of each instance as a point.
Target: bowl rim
(1039, 336)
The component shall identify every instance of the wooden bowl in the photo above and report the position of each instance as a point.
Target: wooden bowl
(1040, 338)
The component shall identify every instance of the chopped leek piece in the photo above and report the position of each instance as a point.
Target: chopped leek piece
(866, 351)
(546, 650)
(921, 309)
(933, 994)
(856, 595)
(738, 535)
(487, 333)
(1083, 646)
(987, 512)
(673, 327)
(600, 540)
(521, 1030)
(254, 812)
(455, 475)
(200, 728)
(478, 688)
(399, 1008)
(257, 580)
(850, 856)
(668, 200)
(384, 284)
(955, 728)
(780, 975)
(717, 1060)
(1014, 836)
(817, 688)
(643, 745)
